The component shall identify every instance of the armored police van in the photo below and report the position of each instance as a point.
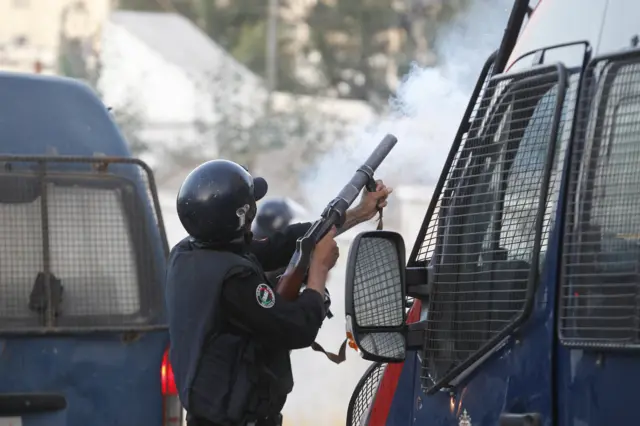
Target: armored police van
(526, 271)
(83, 333)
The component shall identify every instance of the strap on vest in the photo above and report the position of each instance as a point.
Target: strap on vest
(335, 358)
(341, 356)
(379, 227)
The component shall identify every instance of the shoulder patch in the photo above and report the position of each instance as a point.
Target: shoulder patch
(265, 296)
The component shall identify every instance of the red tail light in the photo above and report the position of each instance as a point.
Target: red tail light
(171, 407)
(166, 375)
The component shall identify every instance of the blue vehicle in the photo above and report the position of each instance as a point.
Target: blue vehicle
(526, 271)
(83, 333)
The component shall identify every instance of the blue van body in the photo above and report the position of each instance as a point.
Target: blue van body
(101, 370)
(533, 316)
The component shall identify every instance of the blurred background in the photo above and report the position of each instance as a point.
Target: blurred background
(299, 91)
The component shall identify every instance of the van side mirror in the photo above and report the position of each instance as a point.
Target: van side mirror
(375, 295)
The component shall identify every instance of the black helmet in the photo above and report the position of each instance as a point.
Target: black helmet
(273, 215)
(217, 201)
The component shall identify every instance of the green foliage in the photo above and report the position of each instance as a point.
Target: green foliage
(349, 35)
(240, 26)
(146, 5)
(358, 42)
(357, 59)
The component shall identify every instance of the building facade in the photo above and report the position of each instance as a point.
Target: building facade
(35, 32)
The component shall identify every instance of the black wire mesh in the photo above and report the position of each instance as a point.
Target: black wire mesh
(424, 246)
(492, 221)
(389, 345)
(378, 299)
(81, 247)
(600, 288)
(364, 394)
(377, 285)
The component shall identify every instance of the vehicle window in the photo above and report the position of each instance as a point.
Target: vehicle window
(522, 192)
(616, 180)
(488, 232)
(524, 184)
(602, 240)
(91, 253)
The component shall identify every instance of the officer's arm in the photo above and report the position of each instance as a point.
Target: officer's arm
(276, 251)
(271, 319)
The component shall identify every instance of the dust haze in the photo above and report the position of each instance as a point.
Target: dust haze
(425, 114)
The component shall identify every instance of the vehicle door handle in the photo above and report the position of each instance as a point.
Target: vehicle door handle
(526, 419)
(16, 404)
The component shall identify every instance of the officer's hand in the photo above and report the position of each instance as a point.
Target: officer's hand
(326, 252)
(372, 201)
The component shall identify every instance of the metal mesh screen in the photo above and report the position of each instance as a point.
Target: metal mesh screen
(388, 345)
(81, 246)
(364, 394)
(485, 238)
(377, 286)
(424, 246)
(600, 287)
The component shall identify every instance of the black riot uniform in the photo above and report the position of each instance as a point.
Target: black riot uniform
(230, 332)
(273, 216)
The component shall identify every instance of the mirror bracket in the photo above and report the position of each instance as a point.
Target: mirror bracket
(418, 281)
(416, 334)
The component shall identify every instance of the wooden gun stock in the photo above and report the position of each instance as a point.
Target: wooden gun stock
(291, 280)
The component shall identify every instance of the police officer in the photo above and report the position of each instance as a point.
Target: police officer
(230, 332)
(273, 216)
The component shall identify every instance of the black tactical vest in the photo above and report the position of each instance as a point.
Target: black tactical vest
(228, 371)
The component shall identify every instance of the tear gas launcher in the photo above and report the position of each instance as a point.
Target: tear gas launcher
(292, 279)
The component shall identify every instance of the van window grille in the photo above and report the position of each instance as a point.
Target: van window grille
(425, 242)
(77, 247)
(600, 285)
(490, 224)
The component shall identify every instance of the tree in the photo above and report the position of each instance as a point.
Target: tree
(352, 38)
(240, 26)
(367, 46)
(184, 7)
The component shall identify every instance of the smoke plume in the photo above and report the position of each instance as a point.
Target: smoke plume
(424, 113)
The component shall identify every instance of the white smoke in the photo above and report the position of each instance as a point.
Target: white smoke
(425, 112)
(425, 115)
